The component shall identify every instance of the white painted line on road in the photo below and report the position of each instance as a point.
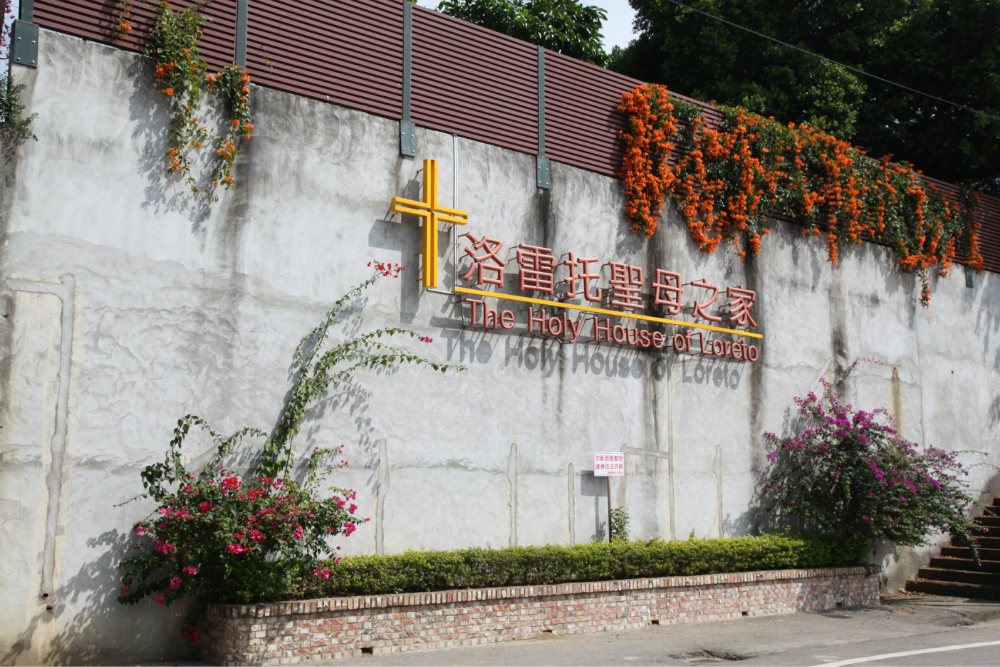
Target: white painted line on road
(903, 654)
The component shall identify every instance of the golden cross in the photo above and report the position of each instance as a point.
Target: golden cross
(430, 214)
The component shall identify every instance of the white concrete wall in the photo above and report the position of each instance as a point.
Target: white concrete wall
(159, 306)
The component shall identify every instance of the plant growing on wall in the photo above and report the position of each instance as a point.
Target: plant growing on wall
(316, 368)
(12, 119)
(728, 181)
(220, 536)
(849, 472)
(124, 26)
(13, 122)
(646, 174)
(181, 74)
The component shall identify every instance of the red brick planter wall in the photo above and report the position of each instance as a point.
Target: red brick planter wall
(330, 628)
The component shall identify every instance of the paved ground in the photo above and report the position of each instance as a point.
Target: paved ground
(836, 638)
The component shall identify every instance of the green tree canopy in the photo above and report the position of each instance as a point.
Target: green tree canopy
(566, 26)
(946, 48)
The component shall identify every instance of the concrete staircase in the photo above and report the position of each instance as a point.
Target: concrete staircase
(955, 572)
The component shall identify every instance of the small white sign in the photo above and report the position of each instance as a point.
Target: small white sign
(609, 464)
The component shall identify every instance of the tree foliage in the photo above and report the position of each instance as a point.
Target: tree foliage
(946, 48)
(566, 26)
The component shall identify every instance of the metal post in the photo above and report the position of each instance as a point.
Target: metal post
(241, 33)
(541, 162)
(407, 130)
(24, 37)
(609, 508)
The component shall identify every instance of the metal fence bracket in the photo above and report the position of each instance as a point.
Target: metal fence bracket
(542, 172)
(24, 44)
(407, 138)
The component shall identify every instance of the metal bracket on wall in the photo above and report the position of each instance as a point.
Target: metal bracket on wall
(407, 138)
(407, 130)
(24, 41)
(969, 277)
(542, 172)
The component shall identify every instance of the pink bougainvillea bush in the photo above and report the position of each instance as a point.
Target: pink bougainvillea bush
(221, 537)
(849, 472)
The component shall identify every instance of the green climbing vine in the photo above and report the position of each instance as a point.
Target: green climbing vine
(316, 368)
(182, 77)
(13, 123)
(12, 118)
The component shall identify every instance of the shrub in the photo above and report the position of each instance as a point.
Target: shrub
(221, 537)
(619, 524)
(217, 536)
(414, 571)
(849, 472)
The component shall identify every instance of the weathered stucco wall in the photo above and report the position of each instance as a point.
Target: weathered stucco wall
(127, 303)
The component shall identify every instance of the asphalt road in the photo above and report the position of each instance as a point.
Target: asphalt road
(873, 636)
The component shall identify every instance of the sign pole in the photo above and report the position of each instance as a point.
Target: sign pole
(609, 508)
(608, 465)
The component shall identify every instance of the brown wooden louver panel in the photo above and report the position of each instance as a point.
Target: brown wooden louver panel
(349, 52)
(466, 79)
(97, 20)
(474, 82)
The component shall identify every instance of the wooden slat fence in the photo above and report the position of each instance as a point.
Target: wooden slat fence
(466, 80)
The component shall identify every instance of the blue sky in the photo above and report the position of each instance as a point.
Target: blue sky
(617, 29)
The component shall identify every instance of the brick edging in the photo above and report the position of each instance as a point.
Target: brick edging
(359, 602)
(331, 628)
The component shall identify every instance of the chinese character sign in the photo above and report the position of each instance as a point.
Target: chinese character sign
(609, 464)
(625, 287)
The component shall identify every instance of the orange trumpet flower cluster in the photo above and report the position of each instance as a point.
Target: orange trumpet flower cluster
(728, 181)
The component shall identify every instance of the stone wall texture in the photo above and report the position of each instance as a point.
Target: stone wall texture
(321, 630)
(126, 302)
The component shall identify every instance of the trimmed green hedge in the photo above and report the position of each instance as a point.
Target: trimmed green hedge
(415, 571)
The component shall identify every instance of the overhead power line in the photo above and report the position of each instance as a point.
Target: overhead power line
(816, 55)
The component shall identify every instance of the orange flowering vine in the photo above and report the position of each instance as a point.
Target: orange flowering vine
(180, 74)
(234, 83)
(124, 26)
(645, 171)
(729, 180)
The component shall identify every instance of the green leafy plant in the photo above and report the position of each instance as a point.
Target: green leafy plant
(234, 83)
(947, 48)
(316, 368)
(849, 472)
(124, 26)
(12, 118)
(566, 26)
(414, 571)
(619, 524)
(220, 536)
(181, 74)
